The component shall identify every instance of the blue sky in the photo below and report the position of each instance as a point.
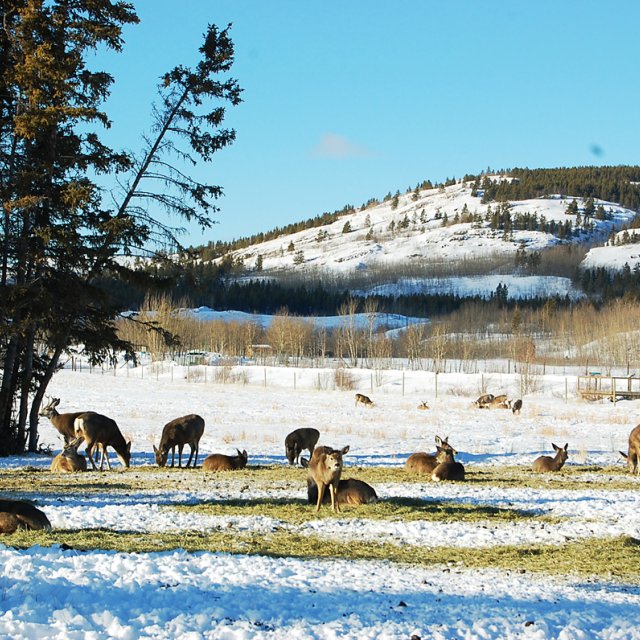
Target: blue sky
(351, 99)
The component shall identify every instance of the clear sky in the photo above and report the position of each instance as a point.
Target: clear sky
(345, 100)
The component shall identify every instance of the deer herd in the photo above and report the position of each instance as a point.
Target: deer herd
(325, 484)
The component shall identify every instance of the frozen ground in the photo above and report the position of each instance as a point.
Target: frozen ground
(58, 593)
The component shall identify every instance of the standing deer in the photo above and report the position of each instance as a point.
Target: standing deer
(633, 456)
(69, 461)
(362, 399)
(99, 430)
(547, 463)
(448, 469)
(63, 422)
(516, 406)
(15, 514)
(483, 400)
(423, 462)
(220, 462)
(177, 433)
(296, 441)
(325, 468)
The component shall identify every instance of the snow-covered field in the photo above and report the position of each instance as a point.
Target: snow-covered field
(63, 593)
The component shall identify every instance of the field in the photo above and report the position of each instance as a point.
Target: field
(151, 553)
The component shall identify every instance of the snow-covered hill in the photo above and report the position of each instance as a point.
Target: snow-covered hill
(440, 228)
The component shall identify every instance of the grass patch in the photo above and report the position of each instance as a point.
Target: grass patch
(394, 509)
(608, 559)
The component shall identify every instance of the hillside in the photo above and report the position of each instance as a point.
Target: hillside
(427, 241)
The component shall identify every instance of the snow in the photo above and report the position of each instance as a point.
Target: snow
(62, 593)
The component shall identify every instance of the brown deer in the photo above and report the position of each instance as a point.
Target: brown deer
(63, 422)
(423, 406)
(516, 406)
(296, 441)
(633, 456)
(448, 469)
(15, 514)
(177, 433)
(325, 468)
(498, 402)
(350, 492)
(362, 399)
(547, 463)
(483, 400)
(220, 462)
(69, 461)
(423, 462)
(100, 431)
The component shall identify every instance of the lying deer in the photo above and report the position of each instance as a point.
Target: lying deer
(362, 399)
(547, 463)
(296, 441)
(498, 402)
(220, 462)
(100, 431)
(15, 514)
(423, 406)
(177, 433)
(423, 462)
(63, 422)
(69, 461)
(325, 468)
(484, 400)
(350, 492)
(633, 455)
(448, 469)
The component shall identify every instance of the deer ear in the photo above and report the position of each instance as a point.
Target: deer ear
(438, 440)
(155, 449)
(555, 447)
(566, 446)
(344, 450)
(624, 455)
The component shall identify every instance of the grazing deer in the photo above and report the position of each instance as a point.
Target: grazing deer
(423, 406)
(63, 422)
(547, 463)
(424, 463)
(15, 514)
(448, 469)
(350, 491)
(98, 430)
(516, 406)
(69, 461)
(220, 462)
(633, 456)
(325, 468)
(296, 441)
(484, 400)
(362, 399)
(177, 433)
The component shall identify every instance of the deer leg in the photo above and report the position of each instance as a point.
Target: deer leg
(334, 500)
(173, 456)
(321, 488)
(106, 455)
(180, 448)
(89, 452)
(191, 456)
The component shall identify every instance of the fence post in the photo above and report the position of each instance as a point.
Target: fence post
(371, 382)
(566, 390)
(403, 384)
(436, 379)
(265, 376)
(294, 380)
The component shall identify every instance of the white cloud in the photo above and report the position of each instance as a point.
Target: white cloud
(333, 145)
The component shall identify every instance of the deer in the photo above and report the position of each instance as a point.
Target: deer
(484, 400)
(448, 468)
(177, 433)
(63, 422)
(423, 406)
(516, 406)
(423, 462)
(498, 402)
(362, 399)
(69, 461)
(350, 492)
(100, 431)
(296, 441)
(633, 455)
(220, 462)
(325, 468)
(544, 464)
(16, 514)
